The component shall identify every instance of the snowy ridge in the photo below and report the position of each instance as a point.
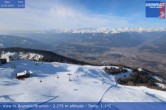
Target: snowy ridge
(116, 30)
(51, 81)
(16, 53)
(16, 56)
(31, 56)
(104, 30)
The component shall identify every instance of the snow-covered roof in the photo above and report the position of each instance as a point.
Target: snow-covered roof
(22, 73)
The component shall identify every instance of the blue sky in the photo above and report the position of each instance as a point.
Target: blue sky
(72, 14)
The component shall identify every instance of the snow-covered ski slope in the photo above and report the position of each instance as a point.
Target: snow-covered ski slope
(50, 82)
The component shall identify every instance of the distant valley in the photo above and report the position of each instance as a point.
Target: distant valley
(134, 49)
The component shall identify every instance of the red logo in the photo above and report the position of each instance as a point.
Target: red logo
(162, 10)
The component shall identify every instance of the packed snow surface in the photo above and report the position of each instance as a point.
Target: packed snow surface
(50, 82)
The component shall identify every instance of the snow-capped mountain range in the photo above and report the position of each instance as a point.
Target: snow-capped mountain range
(104, 30)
